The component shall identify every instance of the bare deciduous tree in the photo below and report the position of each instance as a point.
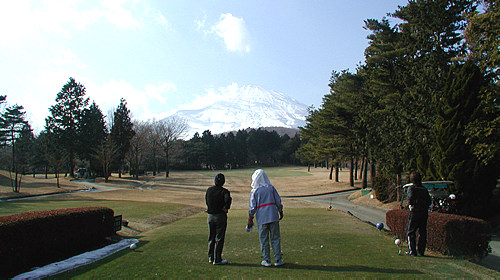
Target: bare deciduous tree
(105, 153)
(169, 130)
(139, 145)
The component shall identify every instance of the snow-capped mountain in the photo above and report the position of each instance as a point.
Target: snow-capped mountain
(234, 108)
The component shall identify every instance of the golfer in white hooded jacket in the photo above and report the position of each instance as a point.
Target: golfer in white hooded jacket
(265, 205)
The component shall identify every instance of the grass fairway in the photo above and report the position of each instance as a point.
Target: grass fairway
(272, 172)
(133, 210)
(351, 249)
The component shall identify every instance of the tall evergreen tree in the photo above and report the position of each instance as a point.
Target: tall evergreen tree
(91, 133)
(482, 33)
(241, 150)
(65, 119)
(482, 36)
(194, 152)
(12, 127)
(384, 110)
(121, 133)
(210, 152)
(452, 156)
(341, 117)
(432, 33)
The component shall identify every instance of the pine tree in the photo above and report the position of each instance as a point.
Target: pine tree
(432, 36)
(14, 127)
(65, 119)
(452, 156)
(121, 133)
(92, 132)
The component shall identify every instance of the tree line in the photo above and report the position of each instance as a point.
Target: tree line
(78, 141)
(425, 99)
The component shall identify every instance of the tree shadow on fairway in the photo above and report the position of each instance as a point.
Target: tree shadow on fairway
(348, 268)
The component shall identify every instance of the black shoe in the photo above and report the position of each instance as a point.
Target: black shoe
(222, 262)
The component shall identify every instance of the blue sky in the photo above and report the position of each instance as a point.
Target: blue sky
(163, 56)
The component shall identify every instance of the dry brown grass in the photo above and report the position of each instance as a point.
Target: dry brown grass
(35, 186)
(183, 187)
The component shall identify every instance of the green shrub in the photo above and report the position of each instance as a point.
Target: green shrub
(383, 187)
(446, 233)
(38, 238)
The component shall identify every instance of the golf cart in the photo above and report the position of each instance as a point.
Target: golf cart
(441, 201)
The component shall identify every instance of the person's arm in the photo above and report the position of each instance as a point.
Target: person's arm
(206, 198)
(277, 200)
(411, 197)
(252, 209)
(227, 200)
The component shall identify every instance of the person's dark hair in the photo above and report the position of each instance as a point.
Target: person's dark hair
(220, 180)
(416, 178)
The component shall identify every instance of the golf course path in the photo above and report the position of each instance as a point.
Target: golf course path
(340, 201)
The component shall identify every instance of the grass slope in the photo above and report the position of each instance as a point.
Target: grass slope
(351, 249)
(133, 210)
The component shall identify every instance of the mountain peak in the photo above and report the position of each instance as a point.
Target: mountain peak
(239, 107)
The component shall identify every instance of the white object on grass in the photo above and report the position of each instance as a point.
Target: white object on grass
(397, 241)
(76, 261)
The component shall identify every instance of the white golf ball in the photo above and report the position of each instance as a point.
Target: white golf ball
(397, 241)
(132, 246)
(321, 246)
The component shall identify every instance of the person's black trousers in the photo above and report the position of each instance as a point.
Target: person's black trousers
(417, 222)
(217, 224)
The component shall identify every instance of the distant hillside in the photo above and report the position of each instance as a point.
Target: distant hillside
(280, 130)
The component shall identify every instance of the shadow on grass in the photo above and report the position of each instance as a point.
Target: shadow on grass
(491, 262)
(351, 268)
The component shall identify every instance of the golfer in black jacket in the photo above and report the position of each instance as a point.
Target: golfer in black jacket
(218, 201)
(419, 201)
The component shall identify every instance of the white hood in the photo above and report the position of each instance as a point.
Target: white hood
(259, 179)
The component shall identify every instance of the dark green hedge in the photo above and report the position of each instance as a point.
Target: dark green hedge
(446, 233)
(34, 239)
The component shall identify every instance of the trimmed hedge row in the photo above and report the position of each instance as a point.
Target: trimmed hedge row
(446, 233)
(35, 239)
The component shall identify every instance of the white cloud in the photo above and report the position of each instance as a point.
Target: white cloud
(15, 22)
(118, 15)
(67, 57)
(200, 23)
(161, 19)
(233, 31)
(24, 19)
(144, 104)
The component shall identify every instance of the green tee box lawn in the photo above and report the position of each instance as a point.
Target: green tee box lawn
(351, 249)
